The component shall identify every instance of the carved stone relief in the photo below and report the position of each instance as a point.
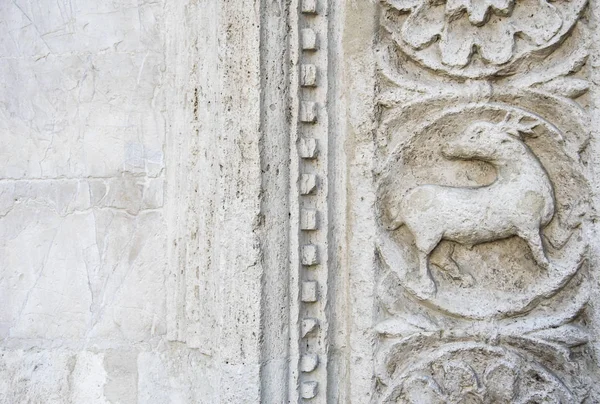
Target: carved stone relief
(485, 199)
(481, 202)
(474, 373)
(478, 38)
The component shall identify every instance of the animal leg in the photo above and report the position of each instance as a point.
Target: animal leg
(444, 260)
(534, 240)
(426, 284)
(425, 247)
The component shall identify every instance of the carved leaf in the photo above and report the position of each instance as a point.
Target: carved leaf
(567, 87)
(404, 326)
(500, 380)
(569, 335)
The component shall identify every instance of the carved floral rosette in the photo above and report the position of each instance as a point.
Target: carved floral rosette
(470, 372)
(479, 38)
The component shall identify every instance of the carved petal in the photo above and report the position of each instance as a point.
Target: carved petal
(453, 7)
(423, 25)
(403, 5)
(503, 6)
(457, 43)
(478, 10)
(538, 20)
(496, 42)
(500, 380)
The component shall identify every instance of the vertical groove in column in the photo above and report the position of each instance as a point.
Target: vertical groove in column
(275, 207)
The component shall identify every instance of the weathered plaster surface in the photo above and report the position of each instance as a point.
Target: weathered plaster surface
(81, 178)
(83, 246)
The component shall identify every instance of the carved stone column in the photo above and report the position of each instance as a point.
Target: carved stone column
(227, 196)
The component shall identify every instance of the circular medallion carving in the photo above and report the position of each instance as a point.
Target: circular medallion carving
(480, 210)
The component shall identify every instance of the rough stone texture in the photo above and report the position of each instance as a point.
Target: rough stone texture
(472, 169)
(134, 187)
(91, 104)
(82, 244)
(319, 201)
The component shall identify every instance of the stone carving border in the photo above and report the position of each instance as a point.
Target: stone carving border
(302, 334)
(310, 211)
(546, 91)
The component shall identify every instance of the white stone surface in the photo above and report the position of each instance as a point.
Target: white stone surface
(83, 246)
(308, 201)
(81, 173)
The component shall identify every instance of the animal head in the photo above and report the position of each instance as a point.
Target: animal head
(489, 141)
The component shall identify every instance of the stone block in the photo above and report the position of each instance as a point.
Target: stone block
(309, 362)
(309, 255)
(310, 291)
(308, 184)
(308, 148)
(308, 75)
(309, 389)
(308, 112)
(309, 39)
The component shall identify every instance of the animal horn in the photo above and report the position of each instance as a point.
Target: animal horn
(518, 125)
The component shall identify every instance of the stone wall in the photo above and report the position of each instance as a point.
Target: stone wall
(83, 250)
(320, 201)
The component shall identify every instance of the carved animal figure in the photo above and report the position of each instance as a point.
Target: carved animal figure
(520, 201)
